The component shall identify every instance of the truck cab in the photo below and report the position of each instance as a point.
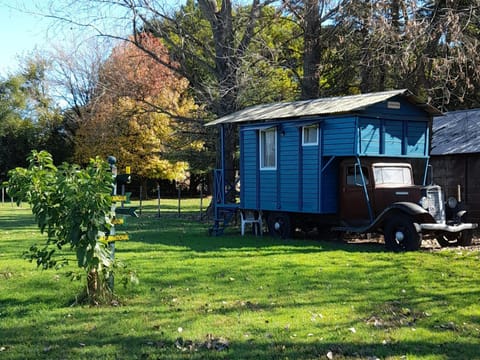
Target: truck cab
(383, 197)
(383, 183)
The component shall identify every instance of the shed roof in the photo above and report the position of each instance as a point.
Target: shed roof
(457, 132)
(322, 106)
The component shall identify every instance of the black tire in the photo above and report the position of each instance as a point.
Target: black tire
(462, 238)
(465, 238)
(401, 234)
(279, 225)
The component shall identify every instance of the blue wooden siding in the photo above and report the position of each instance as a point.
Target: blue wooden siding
(339, 136)
(289, 167)
(249, 177)
(407, 110)
(267, 191)
(310, 179)
(329, 176)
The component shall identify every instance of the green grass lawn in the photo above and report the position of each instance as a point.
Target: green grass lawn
(234, 297)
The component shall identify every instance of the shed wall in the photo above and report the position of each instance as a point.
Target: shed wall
(449, 171)
(339, 136)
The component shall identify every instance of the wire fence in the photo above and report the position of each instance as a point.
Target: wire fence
(5, 197)
(183, 205)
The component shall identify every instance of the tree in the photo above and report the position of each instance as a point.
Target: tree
(138, 110)
(72, 207)
(29, 118)
(16, 134)
(315, 18)
(429, 47)
(218, 60)
(73, 77)
(230, 36)
(447, 64)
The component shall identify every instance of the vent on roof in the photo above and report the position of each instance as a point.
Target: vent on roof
(393, 105)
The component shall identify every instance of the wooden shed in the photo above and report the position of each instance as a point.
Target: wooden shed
(455, 157)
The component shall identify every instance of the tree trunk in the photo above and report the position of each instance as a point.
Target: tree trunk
(227, 58)
(312, 52)
(94, 288)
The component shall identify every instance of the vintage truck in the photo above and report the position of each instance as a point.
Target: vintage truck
(344, 163)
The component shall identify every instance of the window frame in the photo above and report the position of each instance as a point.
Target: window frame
(354, 176)
(310, 127)
(385, 175)
(263, 156)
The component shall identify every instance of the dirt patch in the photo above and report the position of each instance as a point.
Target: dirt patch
(427, 244)
(394, 314)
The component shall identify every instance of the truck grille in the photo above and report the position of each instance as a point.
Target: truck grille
(436, 206)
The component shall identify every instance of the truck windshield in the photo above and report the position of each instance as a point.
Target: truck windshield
(392, 175)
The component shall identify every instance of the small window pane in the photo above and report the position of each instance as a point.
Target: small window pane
(268, 149)
(310, 135)
(354, 177)
(392, 175)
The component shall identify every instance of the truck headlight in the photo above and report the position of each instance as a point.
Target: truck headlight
(424, 202)
(452, 202)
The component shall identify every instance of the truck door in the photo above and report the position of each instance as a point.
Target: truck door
(353, 204)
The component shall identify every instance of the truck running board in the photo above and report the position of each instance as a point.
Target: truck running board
(353, 229)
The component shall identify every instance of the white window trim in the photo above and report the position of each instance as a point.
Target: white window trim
(303, 135)
(262, 167)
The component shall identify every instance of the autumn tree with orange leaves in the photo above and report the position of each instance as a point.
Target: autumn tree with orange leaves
(141, 113)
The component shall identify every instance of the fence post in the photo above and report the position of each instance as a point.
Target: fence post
(179, 190)
(201, 201)
(158, 191)
(141, 200)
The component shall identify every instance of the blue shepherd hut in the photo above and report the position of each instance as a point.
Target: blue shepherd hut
(291, 153)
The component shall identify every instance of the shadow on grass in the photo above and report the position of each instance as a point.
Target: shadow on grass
(123, 346)
(186, 231)
(16, 221)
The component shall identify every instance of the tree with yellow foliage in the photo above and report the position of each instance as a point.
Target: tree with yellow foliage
(141, 113)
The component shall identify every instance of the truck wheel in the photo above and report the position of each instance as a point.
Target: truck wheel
(401, 234)
(462, 238)
(279, 225)
(465, 238)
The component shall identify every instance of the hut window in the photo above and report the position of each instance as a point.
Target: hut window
(268, 149)
(310, 135)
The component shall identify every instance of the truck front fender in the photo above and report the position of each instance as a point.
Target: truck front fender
(409, 207)
(418, 213)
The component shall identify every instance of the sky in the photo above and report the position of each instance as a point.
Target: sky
(20, 33)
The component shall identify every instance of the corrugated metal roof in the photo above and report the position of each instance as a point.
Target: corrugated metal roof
(322, 106)
(457, 132)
